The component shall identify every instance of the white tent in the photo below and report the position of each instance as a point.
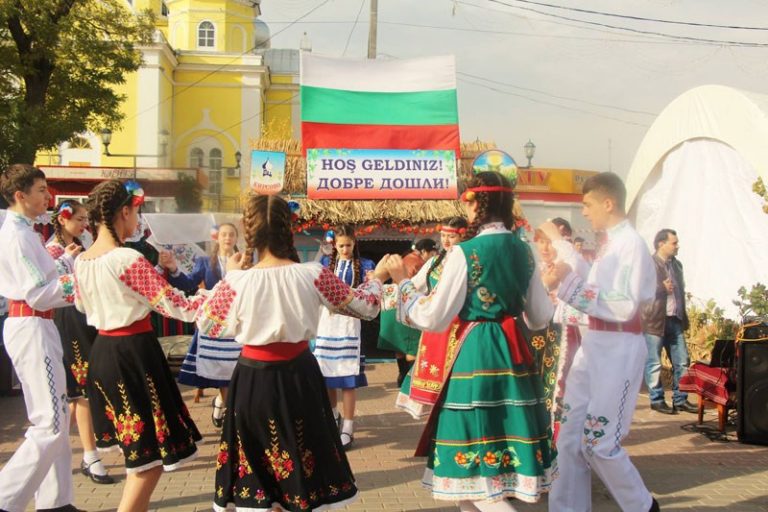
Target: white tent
(694, 173)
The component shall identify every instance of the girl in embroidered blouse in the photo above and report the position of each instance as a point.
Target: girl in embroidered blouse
(129, 381)
(69, 222)
(488, 438)
(279, 445)
(209, 362)
(337, 346)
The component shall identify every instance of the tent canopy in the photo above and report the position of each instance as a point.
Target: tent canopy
(694, 173)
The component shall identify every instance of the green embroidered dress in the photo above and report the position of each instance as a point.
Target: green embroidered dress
(492, 437)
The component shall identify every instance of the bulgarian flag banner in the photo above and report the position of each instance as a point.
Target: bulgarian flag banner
(408, 104)
(375, 104)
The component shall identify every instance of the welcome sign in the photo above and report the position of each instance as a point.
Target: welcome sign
(381, 174)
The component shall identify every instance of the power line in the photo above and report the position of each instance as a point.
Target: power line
(557, 105)
(633, 30)
(357, 18)
(640, 18)
(568, 98)
(227, 63)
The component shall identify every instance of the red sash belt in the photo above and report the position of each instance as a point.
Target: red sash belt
(137, 327)
(19, 308)
(633, 326)
(278, 351)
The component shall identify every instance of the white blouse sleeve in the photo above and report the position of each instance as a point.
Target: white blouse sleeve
(150, 288)
(538, 305)
(361, 302)
(217, 317)
(434, 312)
(39, 282)
(420, 279)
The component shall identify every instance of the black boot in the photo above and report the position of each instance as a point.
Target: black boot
(654, 506)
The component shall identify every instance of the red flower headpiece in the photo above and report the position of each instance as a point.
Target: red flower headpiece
(469, 195)
(135, 192)
(65, 211)
(449, 229)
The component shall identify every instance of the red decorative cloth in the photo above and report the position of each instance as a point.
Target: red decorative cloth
(710, 383)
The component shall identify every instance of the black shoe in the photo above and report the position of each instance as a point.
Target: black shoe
(98, 479)
(662, 407)
(65, 508)
(687, 407)
(217, 422)
(654, 506)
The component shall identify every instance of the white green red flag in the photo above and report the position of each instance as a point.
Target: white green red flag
(373, 104)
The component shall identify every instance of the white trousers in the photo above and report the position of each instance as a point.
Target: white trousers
(42, 466)
(600, 397)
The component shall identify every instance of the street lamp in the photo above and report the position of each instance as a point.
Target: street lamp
(530, 150)
(106, 139)
(238, 157)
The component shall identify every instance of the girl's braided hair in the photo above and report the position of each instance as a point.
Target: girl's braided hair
(58, 228)
(349, 232)
(267, 225)
(104, 202)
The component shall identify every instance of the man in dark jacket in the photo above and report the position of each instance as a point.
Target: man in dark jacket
(664, 322)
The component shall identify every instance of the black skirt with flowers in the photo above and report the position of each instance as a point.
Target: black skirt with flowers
(280, 444)
(76, 340)
(130, 384)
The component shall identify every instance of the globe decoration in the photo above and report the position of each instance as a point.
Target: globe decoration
(496, 160)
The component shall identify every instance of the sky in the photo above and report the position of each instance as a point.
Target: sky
(584, 94)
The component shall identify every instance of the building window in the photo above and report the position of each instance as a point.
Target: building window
(214, 181)
(79, 142)
(164, 9)
(196, 157)
(214, 159)
(206, 35)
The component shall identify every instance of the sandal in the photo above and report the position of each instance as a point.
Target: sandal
(346, 442)
(217, 422)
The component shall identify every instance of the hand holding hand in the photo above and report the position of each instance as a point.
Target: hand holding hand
(167, 260)
(396, 268)
(73, 250)
(380, 272)
(235, 262)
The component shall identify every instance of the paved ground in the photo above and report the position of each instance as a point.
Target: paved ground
(684, 469)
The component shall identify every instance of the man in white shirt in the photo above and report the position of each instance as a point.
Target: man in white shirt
(602, 386)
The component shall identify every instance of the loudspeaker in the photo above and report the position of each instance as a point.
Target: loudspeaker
(752, 387)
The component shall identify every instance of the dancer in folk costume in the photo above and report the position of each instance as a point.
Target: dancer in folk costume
(280, 447)
(129, 380)
(209, 363)
(394, 336)
(603, 383)
(488, 437)
(337, 344)
(41, 466)
(556, 345)
(69, 222)
(423, 383)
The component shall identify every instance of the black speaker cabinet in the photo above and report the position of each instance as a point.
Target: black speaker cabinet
(752, 387)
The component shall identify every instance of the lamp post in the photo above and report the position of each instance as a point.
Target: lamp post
(106, 140)
(530, 150)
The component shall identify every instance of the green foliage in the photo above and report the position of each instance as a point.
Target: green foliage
(708, 324)
(59, 62)
(753, 302)
(760, 189)
(189, 195)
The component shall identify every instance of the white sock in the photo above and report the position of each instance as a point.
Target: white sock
(95, 466)
(336, 414)
(348, 426)
(494, 506)
(218, 411)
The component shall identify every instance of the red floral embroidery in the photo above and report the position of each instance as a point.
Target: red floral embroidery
(335, 291)
(366, 296)
(55, 250)
(589, 294)
(217, 307)
(223, 456)
(141, 277)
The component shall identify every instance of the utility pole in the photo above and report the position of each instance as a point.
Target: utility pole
(372, 29)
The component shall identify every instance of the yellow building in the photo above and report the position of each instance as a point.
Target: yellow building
(208, 84)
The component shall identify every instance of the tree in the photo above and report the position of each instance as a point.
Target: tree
(189, 195)
(59, 63)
